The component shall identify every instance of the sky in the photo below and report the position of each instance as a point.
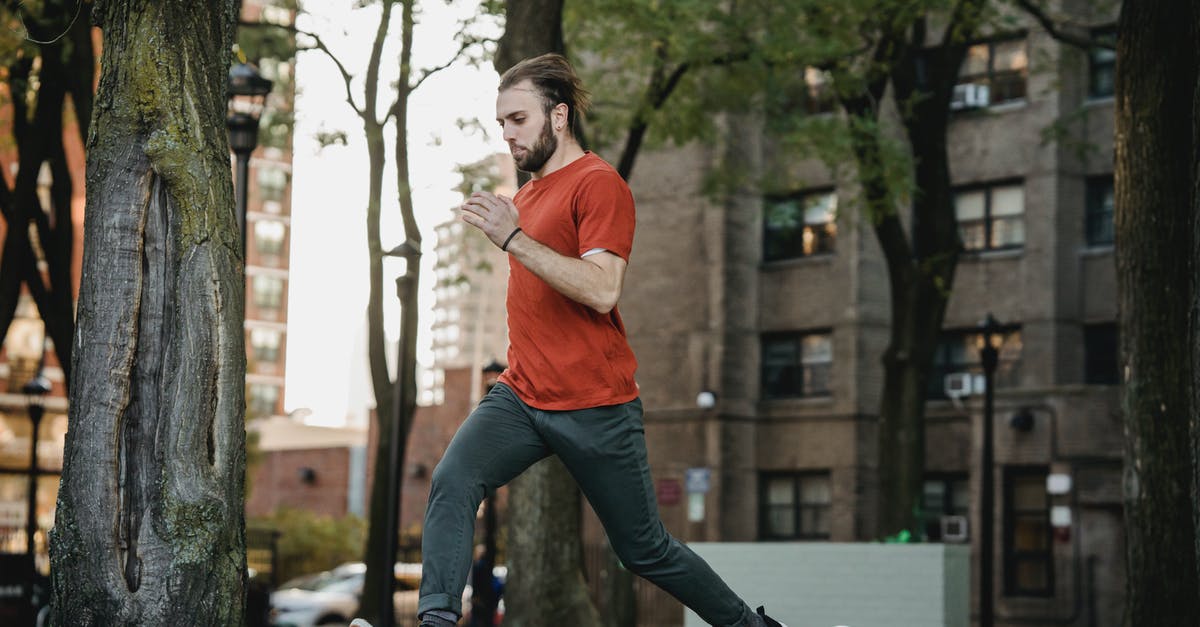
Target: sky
(326, 369)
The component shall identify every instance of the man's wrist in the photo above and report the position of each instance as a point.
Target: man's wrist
(509, 239)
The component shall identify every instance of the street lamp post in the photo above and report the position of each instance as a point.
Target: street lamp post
(989, 356)
(35, 391)
(406, 291)
(247, 98)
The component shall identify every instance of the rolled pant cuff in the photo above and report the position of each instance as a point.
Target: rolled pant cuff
(439, 601)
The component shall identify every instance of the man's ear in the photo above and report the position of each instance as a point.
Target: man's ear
(559, 116)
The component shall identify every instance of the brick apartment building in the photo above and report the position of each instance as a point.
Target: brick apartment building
(786, 322)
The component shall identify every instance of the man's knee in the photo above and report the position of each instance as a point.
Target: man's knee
(647, 555)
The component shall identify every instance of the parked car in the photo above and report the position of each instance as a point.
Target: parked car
(331, 597)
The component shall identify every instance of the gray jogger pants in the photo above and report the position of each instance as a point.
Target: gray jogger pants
(604, 448)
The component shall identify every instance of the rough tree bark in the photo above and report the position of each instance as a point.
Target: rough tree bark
(546, 586)
(150, 524)
(1154, 176)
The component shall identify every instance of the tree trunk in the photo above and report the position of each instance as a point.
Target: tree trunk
(150, 523)
(379, 563)
(544, 549)
(1156, 81)
(1194, 329)
(545, 586)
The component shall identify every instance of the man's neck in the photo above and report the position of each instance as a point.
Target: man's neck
(568, 151)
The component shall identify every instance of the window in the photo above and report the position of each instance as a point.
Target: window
(958, 351)
(1098, 220)
(799, 225)
(268, 237)
(993, 72)
(265, 344)
(1100, 354)
(272, 182)
(1102, 63)
(794, 506)
(796, 364)
(261, 399)
(943, 495)
(1028, 561)
(268, 292)
(991, 217)
(818, 96)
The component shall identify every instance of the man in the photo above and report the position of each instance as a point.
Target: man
(569, 388)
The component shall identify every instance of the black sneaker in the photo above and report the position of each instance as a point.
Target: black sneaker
(766, 621)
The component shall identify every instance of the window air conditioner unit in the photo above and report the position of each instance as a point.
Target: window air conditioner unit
(958, 384)
(969, 96)
(954, 529)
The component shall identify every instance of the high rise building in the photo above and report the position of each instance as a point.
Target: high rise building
(269, 208)
(470, 326)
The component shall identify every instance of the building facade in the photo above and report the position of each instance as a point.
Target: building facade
(268, 212)
(774, 302)
(470, 326)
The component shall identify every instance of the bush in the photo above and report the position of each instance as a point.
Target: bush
(310, 543)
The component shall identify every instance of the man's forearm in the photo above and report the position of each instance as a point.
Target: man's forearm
(582, 280)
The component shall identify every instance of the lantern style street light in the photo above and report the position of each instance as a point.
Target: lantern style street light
(989, 356)
(35, 391)
(247, 98)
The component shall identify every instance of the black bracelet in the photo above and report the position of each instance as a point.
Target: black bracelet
(504, 247)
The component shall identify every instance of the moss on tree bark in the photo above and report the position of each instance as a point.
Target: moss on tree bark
(150, 527)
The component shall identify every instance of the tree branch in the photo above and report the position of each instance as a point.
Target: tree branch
(320, 46)
(1056, 31)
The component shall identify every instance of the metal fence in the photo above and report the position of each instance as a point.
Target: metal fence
(655, 608)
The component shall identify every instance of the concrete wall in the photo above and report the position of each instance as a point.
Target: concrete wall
(852, 585)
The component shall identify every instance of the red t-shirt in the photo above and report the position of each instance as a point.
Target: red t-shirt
(563, 355)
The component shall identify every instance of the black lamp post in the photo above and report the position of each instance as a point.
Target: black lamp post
(406, 290)
(35, 391)
(989, 356)
(247, 98)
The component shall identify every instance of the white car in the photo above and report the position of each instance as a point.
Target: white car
(332, 597)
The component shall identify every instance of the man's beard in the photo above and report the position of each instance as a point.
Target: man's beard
(540, 152)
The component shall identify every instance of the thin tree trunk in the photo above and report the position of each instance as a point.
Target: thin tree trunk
(545, 586)
(150, 523)
(378, 561)
(1156, 82)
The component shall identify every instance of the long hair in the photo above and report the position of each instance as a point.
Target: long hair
(556, 82)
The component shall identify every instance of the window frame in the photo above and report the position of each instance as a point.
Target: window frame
(948, 480)
(1094, 211)
(1093, 374)
(1107, 31)
(263, 353)
(798, 505)
(830, 234)
(251, 406)
(797, 337)
(989, 76)
(942, 367)
(988, 219)
(265, 299)
(1011, 556)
